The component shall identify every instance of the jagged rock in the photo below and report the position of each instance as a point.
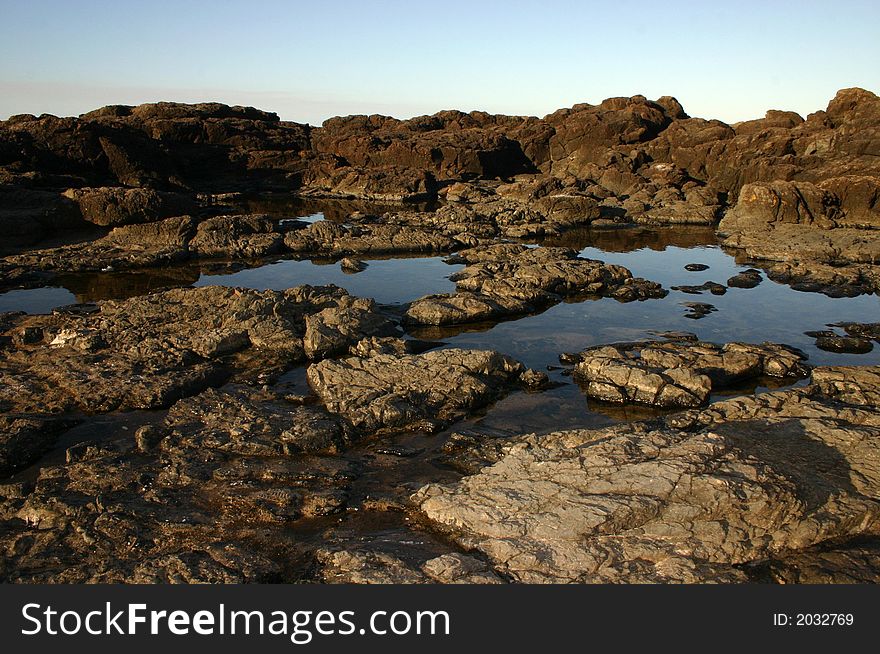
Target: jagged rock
(697, 310)
(375, 567)
(352, 266)
(248, 425)
(150, 351)
(412, 391)
(112, 206)
(332, 239)
(869, 330)
(23, 439)
(813, 229)
(687, 499)
(245, 236)
(504, 280)
(189, 507)
(713, 287)
(332, 330)
(677, 374)
(844, 344)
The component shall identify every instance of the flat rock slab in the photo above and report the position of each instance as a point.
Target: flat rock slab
(405, 391)
(688, 499)
(149, 351)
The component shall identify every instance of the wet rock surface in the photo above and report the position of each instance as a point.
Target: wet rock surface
(747, 279)
(815, 236)
(858, 338)
(230, 435)
(189, 500)
(692, 498)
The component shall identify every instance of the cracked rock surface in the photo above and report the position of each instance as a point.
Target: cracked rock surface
(412, 391)
(678, 374)
(692, 498)
(509, 279)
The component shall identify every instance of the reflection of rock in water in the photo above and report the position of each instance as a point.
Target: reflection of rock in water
(92, 287)
(628, 239)
(335, 210)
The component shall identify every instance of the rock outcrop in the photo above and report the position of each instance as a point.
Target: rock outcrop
(508, 279)
(697, 497)
(681, 374)
(150, 351)
(424, 391)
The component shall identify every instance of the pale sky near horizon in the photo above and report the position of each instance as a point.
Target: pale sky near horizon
(308, 61)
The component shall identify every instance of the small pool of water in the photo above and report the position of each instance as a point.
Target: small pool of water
(769, 312)
(388, 281)
(35, 300)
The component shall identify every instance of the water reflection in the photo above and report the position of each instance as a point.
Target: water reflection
(388, 281)
(630, 239)
(285, 205)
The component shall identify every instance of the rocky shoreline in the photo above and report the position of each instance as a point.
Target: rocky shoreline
(225, 434)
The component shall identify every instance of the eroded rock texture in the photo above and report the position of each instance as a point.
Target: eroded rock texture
(424, 391)
(189, 499)
(509, 279)
(678, 374)
(693, 498)
(150, 351)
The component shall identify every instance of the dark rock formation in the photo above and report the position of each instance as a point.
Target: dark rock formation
(150, 351)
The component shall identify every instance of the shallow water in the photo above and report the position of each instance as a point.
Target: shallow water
(769, 312)
(395, 466)
(388, 281)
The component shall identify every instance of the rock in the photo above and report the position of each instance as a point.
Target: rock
(863, 330)
(112, 206)
(692, 498)
(245, 424)
(332, 330)
(681, 374)
(697, 310)
(696, 267)
(844, 344)
(423, 391)
(352, 266)
(149, 351)
(331, 239)
(375, 567)
(468, 452)
(26, 215)
(184, 502)
(245, 236)
(746, 279)
(713, 287)
(819, 232)
(504, 280)
(824, 564)
(24, 439)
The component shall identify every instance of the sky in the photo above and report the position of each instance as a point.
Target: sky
(308, 61)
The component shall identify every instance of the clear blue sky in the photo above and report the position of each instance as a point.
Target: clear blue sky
(311, 60)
